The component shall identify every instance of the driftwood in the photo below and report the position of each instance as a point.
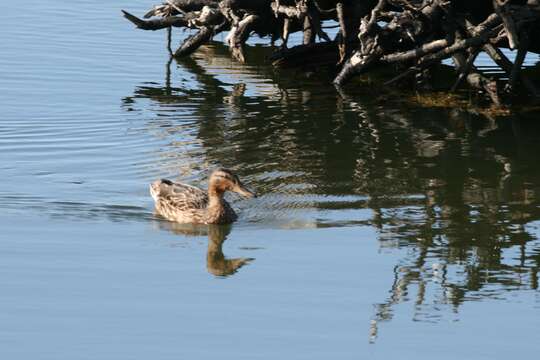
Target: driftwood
(412, 35)
(437, 30)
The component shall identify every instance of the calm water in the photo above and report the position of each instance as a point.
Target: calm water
(382, 229)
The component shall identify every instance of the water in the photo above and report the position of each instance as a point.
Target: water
(383, 228)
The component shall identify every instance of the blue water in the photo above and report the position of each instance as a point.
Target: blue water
(383, 229)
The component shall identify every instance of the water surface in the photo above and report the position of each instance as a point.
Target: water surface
(382, 229)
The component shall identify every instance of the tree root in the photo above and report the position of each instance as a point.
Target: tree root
(193, 42)
(416, 34)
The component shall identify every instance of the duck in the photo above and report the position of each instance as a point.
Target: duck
(183, 203)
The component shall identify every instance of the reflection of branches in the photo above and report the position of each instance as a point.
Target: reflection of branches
(168, 76)
(211, 84)
(462, 231)
(455, 190)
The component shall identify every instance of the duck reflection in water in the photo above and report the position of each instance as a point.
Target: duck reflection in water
(216, 262)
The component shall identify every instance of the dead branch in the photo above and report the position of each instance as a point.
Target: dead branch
(414, 34)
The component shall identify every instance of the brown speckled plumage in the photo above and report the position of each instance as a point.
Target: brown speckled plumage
(187, 204)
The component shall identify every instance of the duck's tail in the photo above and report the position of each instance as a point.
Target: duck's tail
(157, 186)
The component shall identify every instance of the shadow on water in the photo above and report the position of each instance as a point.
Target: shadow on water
(456, 190)
(216, 262)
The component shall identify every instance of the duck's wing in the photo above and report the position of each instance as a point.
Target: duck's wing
(182, 196)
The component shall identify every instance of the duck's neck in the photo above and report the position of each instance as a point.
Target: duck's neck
(216, 206)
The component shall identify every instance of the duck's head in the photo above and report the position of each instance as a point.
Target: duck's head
(223, 180)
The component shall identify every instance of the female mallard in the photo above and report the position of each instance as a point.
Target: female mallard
(187, 204)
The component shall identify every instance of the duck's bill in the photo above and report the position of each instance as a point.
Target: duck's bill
(244, 191)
